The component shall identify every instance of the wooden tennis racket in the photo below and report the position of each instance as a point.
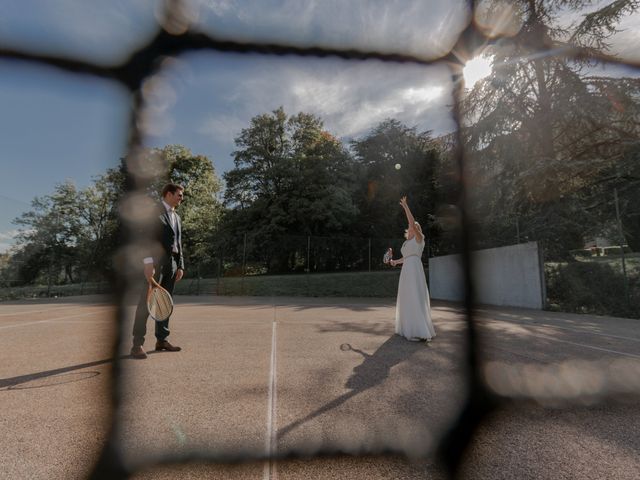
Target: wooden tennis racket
(159, 301)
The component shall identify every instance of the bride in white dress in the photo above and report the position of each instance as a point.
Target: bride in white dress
(413, 310)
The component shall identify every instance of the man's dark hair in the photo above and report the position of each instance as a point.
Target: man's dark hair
(171, 188)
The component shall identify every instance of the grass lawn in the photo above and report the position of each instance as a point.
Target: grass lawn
(352, 284)
(43, 291)
(589, 285)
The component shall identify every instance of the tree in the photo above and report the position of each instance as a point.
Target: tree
(395, 160)
(544, 135)
(76, 232)
(291, 177)
(98, 211)
(50, 235)
(201, 209)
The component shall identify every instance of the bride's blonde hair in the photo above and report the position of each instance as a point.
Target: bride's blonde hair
(417, 226)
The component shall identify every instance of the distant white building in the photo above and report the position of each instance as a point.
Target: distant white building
(597, 242)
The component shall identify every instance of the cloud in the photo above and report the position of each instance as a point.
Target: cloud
(625, 43)
(419, 27)
(217, 94)
(350, 97)
(9, 235)
(96, 31)
(221, 128)
(354, 99)
(219, 8)
(7, 240)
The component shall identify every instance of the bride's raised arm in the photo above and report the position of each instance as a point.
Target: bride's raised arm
(407, 211)
(411, 221)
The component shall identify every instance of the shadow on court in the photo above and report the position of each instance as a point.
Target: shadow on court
(22, 379)
(373, 371)
(9, 383)
(342, 381)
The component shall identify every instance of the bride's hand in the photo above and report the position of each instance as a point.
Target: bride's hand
(403, 201)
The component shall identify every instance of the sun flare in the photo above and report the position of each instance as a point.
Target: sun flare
(476, 69)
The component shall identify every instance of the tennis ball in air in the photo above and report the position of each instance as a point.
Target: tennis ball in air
(398, 166)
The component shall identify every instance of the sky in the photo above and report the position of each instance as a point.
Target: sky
(55, 126)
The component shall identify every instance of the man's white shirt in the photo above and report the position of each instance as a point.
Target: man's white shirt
(172, 218)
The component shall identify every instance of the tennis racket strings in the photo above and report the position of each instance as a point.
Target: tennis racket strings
(160, 304)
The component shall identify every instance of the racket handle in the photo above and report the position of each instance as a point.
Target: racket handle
(153, 283)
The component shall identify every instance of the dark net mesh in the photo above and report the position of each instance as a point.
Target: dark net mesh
(492, 388)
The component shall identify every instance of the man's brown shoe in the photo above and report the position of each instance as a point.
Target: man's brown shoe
(138, 352)
(165, 345)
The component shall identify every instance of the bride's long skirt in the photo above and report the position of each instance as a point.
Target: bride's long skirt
(413, 309)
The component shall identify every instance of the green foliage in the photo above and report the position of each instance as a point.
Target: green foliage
(549, 143)
(360, 284)
(70, 235)
(592, 287)
(98, 211)
(381, 185)
(43, 290)
(598, 26)
(201, 210)
(291, 177)
(52, 231)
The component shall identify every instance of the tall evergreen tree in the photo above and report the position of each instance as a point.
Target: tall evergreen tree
(545, 134)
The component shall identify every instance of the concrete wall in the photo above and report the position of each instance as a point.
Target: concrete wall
(510, 276)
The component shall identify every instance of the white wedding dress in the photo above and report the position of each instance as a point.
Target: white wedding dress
(413, 310)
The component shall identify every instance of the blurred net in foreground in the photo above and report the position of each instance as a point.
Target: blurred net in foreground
(519, 35)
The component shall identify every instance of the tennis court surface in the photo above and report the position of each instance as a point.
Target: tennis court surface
(303, 375)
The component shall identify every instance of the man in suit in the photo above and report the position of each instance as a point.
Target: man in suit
(165, 264)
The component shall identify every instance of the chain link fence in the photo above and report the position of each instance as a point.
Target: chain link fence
(53, 280)
(297, 265)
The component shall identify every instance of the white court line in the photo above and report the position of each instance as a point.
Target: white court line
(609, 335)
(550, 325)
(333, 305)
(23, 313)
(44, 310)
(61, 307)
(535, 359)
(588, 346)
(269, 471)
(24, 324)
(591, 347)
